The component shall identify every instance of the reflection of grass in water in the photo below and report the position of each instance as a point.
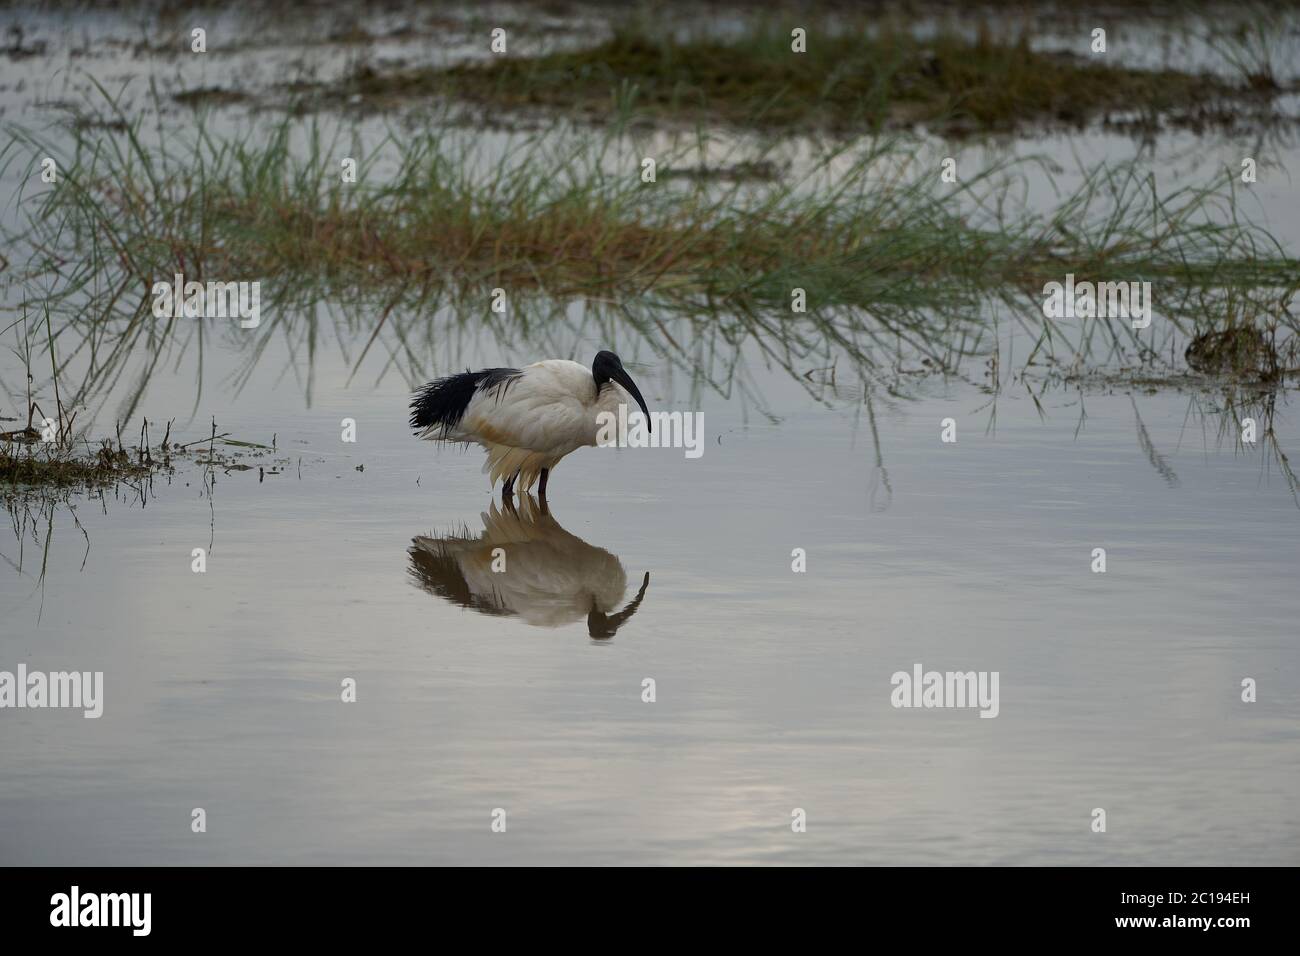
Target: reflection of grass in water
(854, 76)
(1259, 404)
(32, 520)
(1223, 412)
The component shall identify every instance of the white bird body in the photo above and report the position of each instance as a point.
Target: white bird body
(526, 419)
(547, 417)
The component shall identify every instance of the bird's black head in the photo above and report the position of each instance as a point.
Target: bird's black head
(604, 367)
(608, 367)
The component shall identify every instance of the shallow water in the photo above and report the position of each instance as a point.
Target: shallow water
(773, 687)
(1119, 690)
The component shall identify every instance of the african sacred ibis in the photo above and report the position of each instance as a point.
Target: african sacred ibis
(548, 576)
(527, 418)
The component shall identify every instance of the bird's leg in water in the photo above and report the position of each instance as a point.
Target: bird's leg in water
(541, 490)
(508, 489)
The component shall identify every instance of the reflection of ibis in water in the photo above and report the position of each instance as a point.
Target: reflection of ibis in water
(550, 577)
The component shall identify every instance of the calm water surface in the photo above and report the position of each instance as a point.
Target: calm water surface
(1118, 690)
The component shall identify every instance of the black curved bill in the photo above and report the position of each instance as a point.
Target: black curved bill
(620, 375)
(603, 626)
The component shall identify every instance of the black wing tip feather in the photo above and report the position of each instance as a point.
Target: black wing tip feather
(443, 401)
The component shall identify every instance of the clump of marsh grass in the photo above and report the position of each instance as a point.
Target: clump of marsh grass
(856, 76)
(31, 466)
(48, 455)
(864, 225)
(42, 466)
(1255, 47)
(881, 250)
(1244, 352)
